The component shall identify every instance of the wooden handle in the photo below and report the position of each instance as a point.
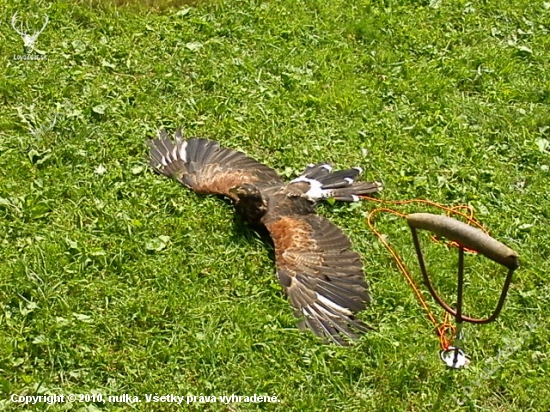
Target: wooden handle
(465, 235)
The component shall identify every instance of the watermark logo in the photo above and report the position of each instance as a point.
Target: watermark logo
(29, 40)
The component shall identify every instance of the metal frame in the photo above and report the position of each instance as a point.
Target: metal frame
(458, 313)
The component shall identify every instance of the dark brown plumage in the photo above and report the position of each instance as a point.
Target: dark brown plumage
(322, 277)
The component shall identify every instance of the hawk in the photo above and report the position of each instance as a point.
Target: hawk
(320, 274)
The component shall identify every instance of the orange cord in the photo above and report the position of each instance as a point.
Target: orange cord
(445, 330)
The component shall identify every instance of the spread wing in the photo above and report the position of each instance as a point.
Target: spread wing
(204, 166)
(321, 275)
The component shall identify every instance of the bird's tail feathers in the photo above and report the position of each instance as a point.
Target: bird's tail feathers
(352, 192)
(339, 185)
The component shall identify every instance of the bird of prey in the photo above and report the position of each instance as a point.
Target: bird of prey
(321, 276)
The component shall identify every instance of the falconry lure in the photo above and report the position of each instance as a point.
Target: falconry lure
(322, 277)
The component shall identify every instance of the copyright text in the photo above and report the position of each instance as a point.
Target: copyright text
(148, 398)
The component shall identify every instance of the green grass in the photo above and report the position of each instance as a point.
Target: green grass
(114, 280)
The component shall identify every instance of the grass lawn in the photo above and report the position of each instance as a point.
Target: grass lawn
(116, 281)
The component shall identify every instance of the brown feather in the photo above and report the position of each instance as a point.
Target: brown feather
(323, 278)
(205, 167)
(221, 182)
